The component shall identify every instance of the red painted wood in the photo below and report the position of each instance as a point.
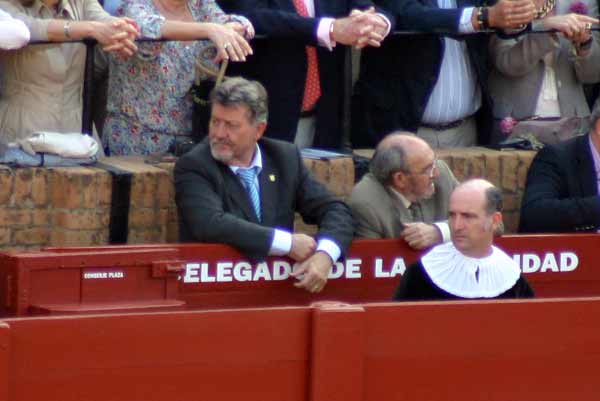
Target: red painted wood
(338, 343)
(4, 360)
(255, 355)
(495, 351)
(55, 276)
(470, 351)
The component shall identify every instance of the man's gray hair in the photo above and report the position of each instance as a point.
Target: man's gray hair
(388, 160)
(239, 91)
(493, 200)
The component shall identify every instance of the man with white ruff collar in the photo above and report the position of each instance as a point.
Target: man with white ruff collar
(469, 267)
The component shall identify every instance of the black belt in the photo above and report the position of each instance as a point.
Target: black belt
(308, 113)
(445, 126)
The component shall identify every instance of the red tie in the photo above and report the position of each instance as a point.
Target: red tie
(312, 87)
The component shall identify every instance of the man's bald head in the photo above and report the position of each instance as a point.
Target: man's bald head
(480, 188)
(395, 153)
(474, 216)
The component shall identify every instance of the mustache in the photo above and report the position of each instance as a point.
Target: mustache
(217, 141)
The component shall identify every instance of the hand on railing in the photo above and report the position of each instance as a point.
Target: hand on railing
(575, 27)
(247, 31)
(303, 246)
(229, 43)
(360, 29)
(511, 14)
(117, 35)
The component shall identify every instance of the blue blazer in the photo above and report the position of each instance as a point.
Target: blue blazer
(561, 193)
(397, 79)
(280, 63)
(213, 206)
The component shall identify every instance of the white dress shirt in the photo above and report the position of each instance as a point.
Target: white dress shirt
(325, 25)
(282, 240)
(456, 94)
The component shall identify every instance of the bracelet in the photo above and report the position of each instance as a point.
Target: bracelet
(67, 29)
(483, 18)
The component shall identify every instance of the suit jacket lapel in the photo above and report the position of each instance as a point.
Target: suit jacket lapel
(268, 179)
(237, 193)
(586, 167)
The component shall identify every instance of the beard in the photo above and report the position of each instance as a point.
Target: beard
(221, 150)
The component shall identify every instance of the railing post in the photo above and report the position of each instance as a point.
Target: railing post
(4, 360)
(88, 83)
(337, 356)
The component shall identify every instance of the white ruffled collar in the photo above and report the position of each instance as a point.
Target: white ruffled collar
(468, 277)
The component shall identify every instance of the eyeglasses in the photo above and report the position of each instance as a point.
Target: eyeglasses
(429, 170)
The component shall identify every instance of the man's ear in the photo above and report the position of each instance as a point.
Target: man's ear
(497, 224)
(399, 180)
(260, 130)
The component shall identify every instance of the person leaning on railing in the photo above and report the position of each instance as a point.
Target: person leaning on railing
(42, 84)
(13, 33)
(435, 85)
(149, 100)
(540, 76)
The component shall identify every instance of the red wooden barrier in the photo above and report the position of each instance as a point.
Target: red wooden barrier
(546, 350)
(217, 276)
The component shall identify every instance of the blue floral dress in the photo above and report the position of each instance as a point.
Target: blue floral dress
(149, 101)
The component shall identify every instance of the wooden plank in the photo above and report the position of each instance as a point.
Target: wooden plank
(495, 351)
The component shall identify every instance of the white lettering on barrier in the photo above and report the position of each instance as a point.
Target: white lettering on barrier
(532, 263)
(103, 275)
(278, 270)
(398, 268)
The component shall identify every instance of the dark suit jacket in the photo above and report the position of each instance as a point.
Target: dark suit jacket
(213, 206)
(561, 194)
(397, 80)
(280, 63)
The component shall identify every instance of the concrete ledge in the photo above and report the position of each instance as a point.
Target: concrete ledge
(71, 206)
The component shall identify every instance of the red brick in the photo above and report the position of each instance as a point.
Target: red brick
(510, 164)
(15, 217)
(144, 190)
(60, 237)
(40, 186)
(85, 219)
(32, 236)
(142, 218)
(40, 217)
(22, 186)
(6, 185)
(5, 235)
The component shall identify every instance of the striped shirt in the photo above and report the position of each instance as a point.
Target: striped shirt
(456, 94)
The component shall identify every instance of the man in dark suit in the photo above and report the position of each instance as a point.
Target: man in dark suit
(562, 193)
(434, 85)
(283, 64)
(240, 189)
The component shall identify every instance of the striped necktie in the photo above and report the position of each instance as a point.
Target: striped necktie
(248, 178)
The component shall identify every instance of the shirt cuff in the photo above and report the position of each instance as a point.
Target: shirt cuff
(282, 243)
(444, 229)
(466, 25)
(330, 248)
(323, 33)
(387, 21)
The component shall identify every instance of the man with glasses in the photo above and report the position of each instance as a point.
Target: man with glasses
(405, 194)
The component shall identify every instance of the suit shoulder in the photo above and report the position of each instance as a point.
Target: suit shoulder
(197, 158)
(368, 191)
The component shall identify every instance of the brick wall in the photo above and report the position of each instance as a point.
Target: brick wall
(72, 206)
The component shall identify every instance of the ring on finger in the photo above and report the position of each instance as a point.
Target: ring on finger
(226, 45)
